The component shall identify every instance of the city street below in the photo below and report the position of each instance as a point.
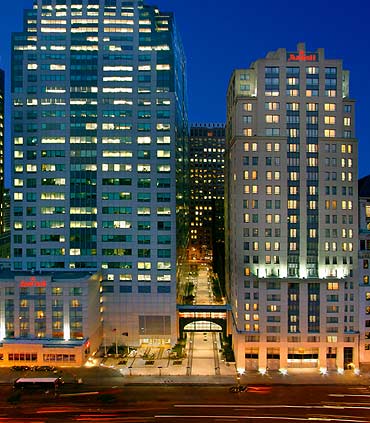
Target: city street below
(266, 403)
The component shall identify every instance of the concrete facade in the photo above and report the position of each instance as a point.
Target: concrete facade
(364, 271)
(291, 220)
(49, 318)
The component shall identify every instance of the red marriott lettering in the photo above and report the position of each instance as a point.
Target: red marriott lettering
(301, 56)
(33, 282)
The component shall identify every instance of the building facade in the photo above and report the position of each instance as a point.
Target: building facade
(99, 129)
(291, 218)
(49, 318)
(364, 270)
(206, 159)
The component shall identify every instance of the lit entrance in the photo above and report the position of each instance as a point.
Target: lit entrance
(303, 357)
(348, 358)
(202, 319)
(202, 326)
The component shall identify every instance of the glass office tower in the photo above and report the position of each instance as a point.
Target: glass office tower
(291, 201)
(99, 168)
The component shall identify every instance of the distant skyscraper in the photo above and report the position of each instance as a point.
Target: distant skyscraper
(206, 152)
(99, 128)
(2, 96)
(292, 212)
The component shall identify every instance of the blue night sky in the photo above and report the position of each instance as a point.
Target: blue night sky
(219, 36)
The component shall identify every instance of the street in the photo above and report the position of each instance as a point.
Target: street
(181, 403)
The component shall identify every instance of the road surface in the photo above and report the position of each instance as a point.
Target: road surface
(191, 404)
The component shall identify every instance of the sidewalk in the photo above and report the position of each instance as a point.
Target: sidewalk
(118, 376)
(163, 367)
(165, 372)
(255, 378)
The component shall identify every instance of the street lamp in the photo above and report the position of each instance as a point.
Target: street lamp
(105, 344)
(125, 334)
(115, 340)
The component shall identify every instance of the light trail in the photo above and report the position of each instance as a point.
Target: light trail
(349, 395)
(266, 406)
(303, 419)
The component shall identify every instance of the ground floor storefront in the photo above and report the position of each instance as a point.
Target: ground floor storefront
(44, 353)
(323, 356)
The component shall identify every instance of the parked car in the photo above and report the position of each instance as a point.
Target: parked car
(238, 388)
(44, 368)
(21, 368)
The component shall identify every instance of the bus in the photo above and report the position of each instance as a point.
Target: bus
(45, 383)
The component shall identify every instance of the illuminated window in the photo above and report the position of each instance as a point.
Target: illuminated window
(347, 121)
(57, 291)
(163, 154)
(332, 286)
(272, 118)
(272, 106)
(312, 70)
(330, 107)
(329, 133)
(75, 303)
(40, 314)
(329, 120)
(312, 107)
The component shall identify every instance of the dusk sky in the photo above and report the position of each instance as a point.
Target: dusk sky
(220, 36)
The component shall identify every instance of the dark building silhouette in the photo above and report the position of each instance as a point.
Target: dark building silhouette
(206, 155)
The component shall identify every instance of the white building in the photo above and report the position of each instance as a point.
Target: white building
(291, 218)
(364, 270)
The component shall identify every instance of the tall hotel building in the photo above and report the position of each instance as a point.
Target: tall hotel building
(99, 129)
(291, 220)
(364, 270)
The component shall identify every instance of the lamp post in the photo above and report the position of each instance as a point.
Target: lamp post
(357, 369)
(105, 344)
(125, 334)
(115, 340)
